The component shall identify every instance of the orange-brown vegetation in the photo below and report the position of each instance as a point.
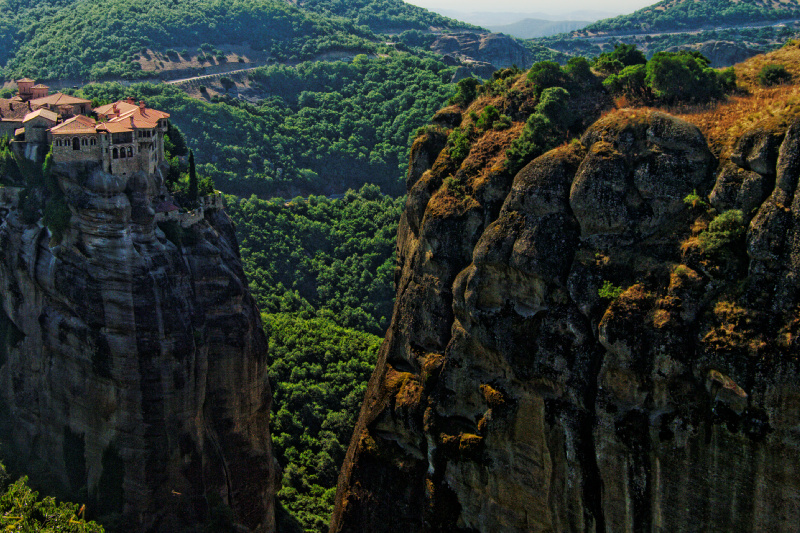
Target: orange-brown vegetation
(724, 122)
(492, 396)
(488, 154)
(735, 330)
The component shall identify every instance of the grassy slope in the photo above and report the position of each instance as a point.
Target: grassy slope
(724, 122)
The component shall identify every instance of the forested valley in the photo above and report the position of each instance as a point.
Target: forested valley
(313, 171)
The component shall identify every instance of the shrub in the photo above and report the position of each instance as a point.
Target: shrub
(727, 79)
(694, 200)
(773, 74)
(227, 83)
(545, 74)
(609, 291)
(726, 229)
(467, 91)
(630, 82)
(536, 139)
(578, 68)
(682, 77)
(459, 142)
(487, 117)
(502, 123)
(554, 105)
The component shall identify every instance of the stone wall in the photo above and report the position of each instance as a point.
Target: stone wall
(65, 153)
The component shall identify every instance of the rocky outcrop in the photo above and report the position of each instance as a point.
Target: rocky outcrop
(721, 53)
(133, 360)
(605, 352)
(501, 51)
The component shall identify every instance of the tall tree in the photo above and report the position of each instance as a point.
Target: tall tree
(192, 177)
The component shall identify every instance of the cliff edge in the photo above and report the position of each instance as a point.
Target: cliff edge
(607, 342)
(133, 369)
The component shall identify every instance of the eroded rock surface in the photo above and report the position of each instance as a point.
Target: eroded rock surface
(134, 367)
(606, 353)
(498, 49)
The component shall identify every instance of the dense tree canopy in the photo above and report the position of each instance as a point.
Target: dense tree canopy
(316, 256)
(384, 15)
(322, 127)
(319, 374)
(689, 14)
(96, 40)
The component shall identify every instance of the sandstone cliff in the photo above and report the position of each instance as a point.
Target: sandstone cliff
(606, 343)
(133, 365)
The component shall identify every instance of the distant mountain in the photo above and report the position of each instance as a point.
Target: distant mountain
(687, 15)
(532, 28)
(500, 18)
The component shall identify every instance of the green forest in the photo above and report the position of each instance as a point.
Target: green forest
(669, 15)
(320, 257)
(319, 374)
(322, 127)
(384, 15)
(97, 40)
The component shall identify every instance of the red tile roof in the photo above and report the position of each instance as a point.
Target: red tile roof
(114, 127)
(78, 124)
(123, 108)
(23, 80)
(59, 99)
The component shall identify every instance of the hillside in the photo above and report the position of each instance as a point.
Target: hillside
(82, 39)
(726, 32)
(385, 16)
(609, 327)
(689, 15)
(295, 138)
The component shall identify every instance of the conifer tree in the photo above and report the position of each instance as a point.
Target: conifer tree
(192, 178)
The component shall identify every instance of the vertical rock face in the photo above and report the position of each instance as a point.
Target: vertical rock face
(602, 354)
(134, 365)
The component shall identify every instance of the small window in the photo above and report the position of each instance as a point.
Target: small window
(93, 141)
(83, 141)
(116, 154)
(130, 151)
(76, 145)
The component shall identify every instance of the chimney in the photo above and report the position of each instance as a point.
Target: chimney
(141, 107)
(130, 100)
(115, 110)
(132, 126)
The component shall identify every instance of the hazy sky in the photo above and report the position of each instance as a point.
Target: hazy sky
(554, 7)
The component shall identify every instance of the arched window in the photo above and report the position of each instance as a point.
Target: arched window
(130, 151)
(83, 141)
(122, 153)
(93, 141)
(76, 144)
(116, 154)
